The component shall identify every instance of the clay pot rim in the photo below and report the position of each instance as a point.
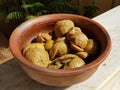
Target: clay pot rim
(62, 72)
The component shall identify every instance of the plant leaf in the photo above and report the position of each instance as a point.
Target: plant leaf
(14, 15)
(38, 4)
(29, 17)
(41, 12)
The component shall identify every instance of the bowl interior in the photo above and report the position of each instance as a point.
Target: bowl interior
(27, 31)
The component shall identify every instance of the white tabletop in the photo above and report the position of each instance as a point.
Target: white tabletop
(107, 75)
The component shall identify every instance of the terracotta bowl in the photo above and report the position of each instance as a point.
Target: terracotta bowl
(27, 31)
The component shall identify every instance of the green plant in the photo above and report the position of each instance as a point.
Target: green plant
(24, 9)
(61, 6)
(21, 10)
(90, 10)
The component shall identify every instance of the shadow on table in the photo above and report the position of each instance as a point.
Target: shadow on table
(12, 77)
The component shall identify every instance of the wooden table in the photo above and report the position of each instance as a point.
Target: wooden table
(106, 77)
